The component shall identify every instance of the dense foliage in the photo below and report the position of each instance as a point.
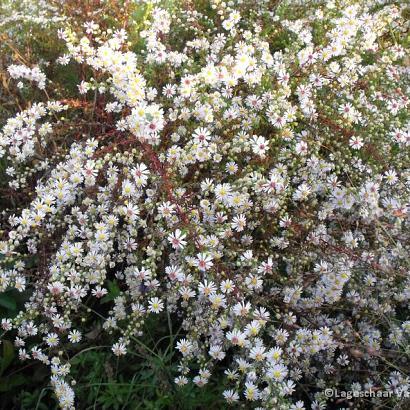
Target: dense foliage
(230, 177)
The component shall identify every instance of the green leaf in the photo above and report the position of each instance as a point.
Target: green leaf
(7, 302)
(113, 288)
(113, 292)
(7, 383)
(8, 355)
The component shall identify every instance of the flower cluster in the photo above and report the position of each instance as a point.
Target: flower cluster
(40, 13)
(245, 172)
(34, 74)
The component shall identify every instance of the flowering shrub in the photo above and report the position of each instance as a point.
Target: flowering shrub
(241, 168)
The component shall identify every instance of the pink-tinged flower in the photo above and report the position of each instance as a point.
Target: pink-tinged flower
(203, 261)
(119, 349)
(356, 142)
(177, 239)
(259, 146)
